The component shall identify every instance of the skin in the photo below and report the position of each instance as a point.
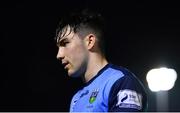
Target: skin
(80, 55)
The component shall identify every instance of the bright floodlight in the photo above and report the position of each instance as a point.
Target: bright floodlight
(161, 79)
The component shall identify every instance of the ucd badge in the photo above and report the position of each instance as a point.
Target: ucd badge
(93, 96)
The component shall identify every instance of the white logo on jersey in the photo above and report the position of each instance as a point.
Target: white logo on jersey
(129, 99)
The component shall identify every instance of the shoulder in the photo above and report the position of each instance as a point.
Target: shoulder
(124, 76)
(119, 74)
(127, 93)
(117, 78)
(129, 81)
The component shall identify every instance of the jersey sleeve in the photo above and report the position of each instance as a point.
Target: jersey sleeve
(128, 95)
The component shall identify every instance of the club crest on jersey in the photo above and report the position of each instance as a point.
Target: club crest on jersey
(129, 99)
(93, 96)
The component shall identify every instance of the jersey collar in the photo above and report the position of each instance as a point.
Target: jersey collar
(99, 73)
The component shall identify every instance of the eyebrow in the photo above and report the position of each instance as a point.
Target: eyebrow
(61, 41)
(65, 38)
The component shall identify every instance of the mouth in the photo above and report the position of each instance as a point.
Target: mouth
(65, 65)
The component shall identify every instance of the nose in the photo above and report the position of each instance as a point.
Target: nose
(60, 54)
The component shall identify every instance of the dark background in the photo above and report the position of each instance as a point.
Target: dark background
(142, 35)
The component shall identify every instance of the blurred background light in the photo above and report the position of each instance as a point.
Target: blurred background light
(161, 79)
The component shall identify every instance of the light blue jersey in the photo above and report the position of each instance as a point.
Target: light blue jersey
(112, 89)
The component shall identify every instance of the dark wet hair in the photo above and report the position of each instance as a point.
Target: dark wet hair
(83, 22)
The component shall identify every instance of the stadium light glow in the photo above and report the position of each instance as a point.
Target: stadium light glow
(161, 79)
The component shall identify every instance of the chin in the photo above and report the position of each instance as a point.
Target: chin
(71, 73)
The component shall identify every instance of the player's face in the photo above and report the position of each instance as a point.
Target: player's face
(73, 53)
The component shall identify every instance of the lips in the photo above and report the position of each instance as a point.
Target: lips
(65, 64)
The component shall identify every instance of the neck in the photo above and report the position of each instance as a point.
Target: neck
(95, 64)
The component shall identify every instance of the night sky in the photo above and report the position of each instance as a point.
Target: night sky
(142, 35)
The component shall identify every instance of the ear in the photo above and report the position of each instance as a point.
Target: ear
(90, 41)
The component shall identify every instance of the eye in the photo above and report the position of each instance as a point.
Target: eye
(64, 43)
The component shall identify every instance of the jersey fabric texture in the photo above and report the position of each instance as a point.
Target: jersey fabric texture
(113, 89)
